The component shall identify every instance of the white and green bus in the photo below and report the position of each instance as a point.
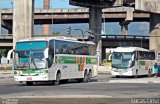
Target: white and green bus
(132, 61)
(54, 59)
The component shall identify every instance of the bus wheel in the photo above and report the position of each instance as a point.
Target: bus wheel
(85, 79)
(29, 83)
(58, 77)
(149, 72)
(89, 75)
(136, 76)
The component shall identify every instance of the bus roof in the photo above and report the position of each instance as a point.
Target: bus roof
(62, 38)
(129, 49)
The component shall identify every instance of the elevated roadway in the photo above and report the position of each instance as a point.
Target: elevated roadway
(6, 41)
(76, 15)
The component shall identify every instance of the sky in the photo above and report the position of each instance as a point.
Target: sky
(134, 28)
(39, 4)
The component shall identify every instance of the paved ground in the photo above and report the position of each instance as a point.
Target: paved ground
(143, 79)
(6, 74)
(98, 91)
(103, 89)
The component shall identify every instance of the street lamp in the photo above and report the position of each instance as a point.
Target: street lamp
(12, 5)
(81, 32)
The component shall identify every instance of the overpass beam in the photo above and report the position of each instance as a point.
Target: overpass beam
(154, 41)
(23, 20)
(124, 24)
(124, 27)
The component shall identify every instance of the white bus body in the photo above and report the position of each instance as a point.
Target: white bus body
(132, 61)
(54, 59)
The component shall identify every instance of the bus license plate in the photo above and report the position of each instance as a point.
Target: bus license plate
(29, 78)
(120, 73)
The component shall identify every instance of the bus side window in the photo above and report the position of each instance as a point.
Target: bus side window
(50, 58)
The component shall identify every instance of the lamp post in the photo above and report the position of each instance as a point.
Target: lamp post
(81, 32)
(11, 32)
(12, 5)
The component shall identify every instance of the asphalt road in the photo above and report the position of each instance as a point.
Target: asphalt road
(98, 89)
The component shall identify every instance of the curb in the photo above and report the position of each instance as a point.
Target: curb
(6, 75)
(133, 81)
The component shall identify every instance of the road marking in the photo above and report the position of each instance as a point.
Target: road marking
(67, 96)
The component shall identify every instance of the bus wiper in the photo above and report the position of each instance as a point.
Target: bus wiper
(34, 63)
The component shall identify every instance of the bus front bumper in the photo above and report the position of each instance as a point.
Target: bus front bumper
(31, 78)
(128, 73)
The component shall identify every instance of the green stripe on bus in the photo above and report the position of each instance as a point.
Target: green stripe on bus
(66, 60)
(31, 71)
(91, 60)
(73, 60)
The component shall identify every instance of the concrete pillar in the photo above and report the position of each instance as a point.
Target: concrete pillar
(124, 27)
(154, 41)
(124, 30)
(0, 23)
(46, 4)
(95, 25)
(95, 19)
(46, 27)
(23, 19)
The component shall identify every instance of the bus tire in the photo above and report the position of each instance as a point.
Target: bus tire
(85, 77)
(30, 83)
(58, 77)
(149, 72)
(89, 75)
(136, 76)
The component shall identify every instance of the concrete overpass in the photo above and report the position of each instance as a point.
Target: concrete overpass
(150, 6)
(6, 41)
(23, 17)
(76, 15)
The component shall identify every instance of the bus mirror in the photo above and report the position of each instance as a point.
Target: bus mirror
(110, 57)
(9, 54)
(46, 53)
(132, 57)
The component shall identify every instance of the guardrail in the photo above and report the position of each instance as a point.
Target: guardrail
(6, 36)
(70, 10)
(125, 36)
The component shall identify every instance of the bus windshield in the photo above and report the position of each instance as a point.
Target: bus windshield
(30, 55)
(30, 60)
(122, 59)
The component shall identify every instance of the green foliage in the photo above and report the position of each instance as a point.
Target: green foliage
(56, 34)
(7, 68)
(3, 52)
(107, 56)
